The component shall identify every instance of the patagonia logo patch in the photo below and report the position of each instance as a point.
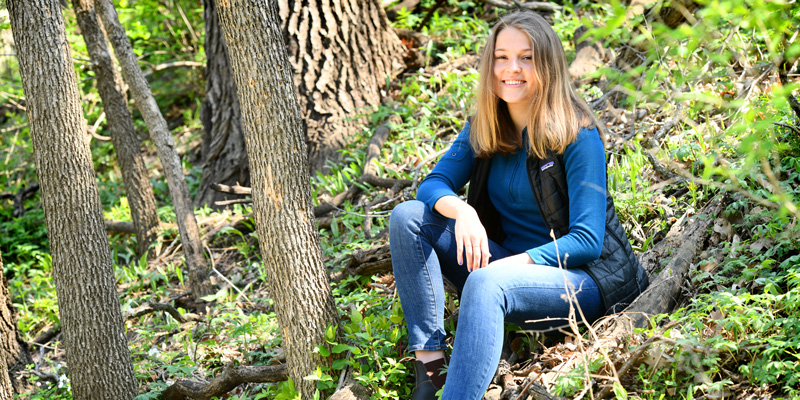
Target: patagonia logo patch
(547, 166)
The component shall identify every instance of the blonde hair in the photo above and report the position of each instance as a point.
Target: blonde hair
(557, 111)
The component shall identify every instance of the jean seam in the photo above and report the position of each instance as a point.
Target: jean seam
(420, 253)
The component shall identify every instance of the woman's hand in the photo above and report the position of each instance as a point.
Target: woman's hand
(471, 240)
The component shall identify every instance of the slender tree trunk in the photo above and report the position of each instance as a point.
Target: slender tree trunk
(14, 356)
(165, 146)
(97, 350)
(224, 154)
(120, 123)
(7, 334)
(282, 205)
(341, 53)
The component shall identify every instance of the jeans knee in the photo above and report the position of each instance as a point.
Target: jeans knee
(481, 286)
(405, 217)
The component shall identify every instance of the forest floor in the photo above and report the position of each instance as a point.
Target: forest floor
(687, 140)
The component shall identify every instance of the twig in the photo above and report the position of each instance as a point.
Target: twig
(214, 268)
(792, 127)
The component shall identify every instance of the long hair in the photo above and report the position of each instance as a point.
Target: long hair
(557, 111)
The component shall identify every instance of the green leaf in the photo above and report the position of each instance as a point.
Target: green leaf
(355, 316)
(340, 348)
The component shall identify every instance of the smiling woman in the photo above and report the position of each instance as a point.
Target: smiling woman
(534, 157)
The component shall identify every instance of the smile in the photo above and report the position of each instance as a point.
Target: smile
(514, 82)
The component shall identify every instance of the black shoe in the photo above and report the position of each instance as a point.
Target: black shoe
(424, 388)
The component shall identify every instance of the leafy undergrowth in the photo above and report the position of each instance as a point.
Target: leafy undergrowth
(735, 334)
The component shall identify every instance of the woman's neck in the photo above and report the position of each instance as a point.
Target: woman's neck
(519, 116)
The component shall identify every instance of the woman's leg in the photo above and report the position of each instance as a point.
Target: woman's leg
(517, 293)
(423, 250)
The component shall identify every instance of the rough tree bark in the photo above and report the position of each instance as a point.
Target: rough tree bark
(165, 146)
(141, 198)
(224, 154)
(14, 356)
(341, 53)
(282, 207)
(9, 334)
(97, 351)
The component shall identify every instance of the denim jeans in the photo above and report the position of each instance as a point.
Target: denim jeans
(423, 251)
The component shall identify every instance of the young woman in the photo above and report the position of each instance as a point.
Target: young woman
(535, 161)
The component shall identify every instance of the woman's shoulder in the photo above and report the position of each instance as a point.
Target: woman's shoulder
(586, 142)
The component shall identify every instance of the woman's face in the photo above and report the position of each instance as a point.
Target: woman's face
(513, 68)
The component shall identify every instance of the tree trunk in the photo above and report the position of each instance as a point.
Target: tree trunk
(97, 350)
(8, 333)
(141, 199)
(282, 205)
(224, 154)
(165, 146)
(341, 54)
(14, 356)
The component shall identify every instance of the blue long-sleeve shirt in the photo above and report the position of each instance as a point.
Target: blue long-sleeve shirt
(510, 192)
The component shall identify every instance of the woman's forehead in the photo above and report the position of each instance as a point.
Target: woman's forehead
(511, 38)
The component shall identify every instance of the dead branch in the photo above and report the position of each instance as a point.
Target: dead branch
(367, 262)
(19, 198)
(235, 189)
(46, 336)
(340, 198)
(184, 389)
(119, 226)
(534, 6)
(153, 307)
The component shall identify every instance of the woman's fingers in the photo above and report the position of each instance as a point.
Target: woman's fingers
(485, 254)
(468, 253)
(476, 255)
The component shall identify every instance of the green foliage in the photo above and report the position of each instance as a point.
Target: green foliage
(373, 333)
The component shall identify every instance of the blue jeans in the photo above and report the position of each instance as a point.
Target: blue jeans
(423, 251)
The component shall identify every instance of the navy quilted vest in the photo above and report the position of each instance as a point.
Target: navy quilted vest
(617, 272)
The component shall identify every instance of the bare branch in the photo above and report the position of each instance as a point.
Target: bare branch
(184, 389)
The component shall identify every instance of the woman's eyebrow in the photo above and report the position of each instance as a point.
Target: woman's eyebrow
(503, 49)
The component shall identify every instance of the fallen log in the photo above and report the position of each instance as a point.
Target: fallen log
(184, 389)
(681, 247)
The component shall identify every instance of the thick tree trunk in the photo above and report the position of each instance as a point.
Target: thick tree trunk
(165, 146)
(97, 351)
(282, 205)
(224, 154)
(14, 356)
(141, 199)
(341, 53)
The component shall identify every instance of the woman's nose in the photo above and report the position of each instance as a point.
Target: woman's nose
(514, 65)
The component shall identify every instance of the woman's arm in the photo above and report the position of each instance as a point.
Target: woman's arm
(584, 164)
(438, 192)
